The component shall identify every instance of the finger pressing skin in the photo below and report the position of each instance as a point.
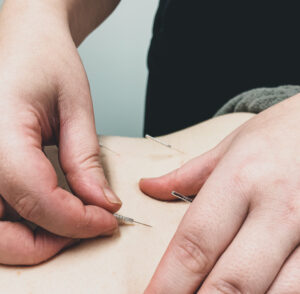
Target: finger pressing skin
(288, 279)
(20, 246)
(208, 227)
(252, 261)
(187, 179)
(79, 151)
(29, 184)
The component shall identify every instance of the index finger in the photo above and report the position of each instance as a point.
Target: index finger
(209, 225)
(28, 183)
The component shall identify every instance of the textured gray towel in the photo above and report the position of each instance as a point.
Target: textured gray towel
(259, 99)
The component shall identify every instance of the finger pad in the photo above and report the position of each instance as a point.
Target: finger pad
(156, 188)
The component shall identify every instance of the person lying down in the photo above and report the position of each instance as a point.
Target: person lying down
(124, 262)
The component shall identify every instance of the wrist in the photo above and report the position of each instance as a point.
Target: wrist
(79, 17)
(32, 18)
(86, 15)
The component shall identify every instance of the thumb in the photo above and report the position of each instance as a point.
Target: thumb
(79, 153)
(186, 180)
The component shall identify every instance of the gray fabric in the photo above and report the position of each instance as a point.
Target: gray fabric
(259, 99)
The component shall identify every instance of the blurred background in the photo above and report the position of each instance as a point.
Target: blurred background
(115, 60)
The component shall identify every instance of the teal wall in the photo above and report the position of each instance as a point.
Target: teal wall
(115, 60)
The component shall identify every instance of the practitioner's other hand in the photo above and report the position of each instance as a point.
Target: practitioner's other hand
(241, 234)
(45, 99)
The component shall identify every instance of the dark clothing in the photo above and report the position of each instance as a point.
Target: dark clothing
(205, 52)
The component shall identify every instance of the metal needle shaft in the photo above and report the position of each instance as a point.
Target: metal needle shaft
(158, 141)
(105, 147)
(181, 197)
(127, 220)
(142, 224)
(163, 143)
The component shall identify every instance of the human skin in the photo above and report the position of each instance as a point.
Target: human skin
(241, 233)
(246, 214)
(45, 99)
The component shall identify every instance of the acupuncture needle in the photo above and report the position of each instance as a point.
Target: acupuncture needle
(105, 147)
(162, 143)
(181, 197)
(128, 221)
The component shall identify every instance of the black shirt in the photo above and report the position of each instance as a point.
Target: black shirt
(205, 52)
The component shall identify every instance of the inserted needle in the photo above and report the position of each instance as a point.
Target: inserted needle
(158, 141)
(105, 147)
(181, 197)
(162, 143)
(142, 224)
(128, 221)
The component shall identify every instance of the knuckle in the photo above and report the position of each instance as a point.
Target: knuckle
(83, 224)
(89, 157)
(192, 254)
(288, 214)
(28, 207)
(227, 287)
(241, 176)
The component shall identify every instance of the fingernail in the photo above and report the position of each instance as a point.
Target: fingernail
(142, 180)
(150, 178)
(112, 197)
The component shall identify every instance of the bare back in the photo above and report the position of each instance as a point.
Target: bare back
(125, 262)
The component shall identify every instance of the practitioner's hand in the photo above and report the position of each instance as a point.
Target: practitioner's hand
(45, 99)
(241, 233)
